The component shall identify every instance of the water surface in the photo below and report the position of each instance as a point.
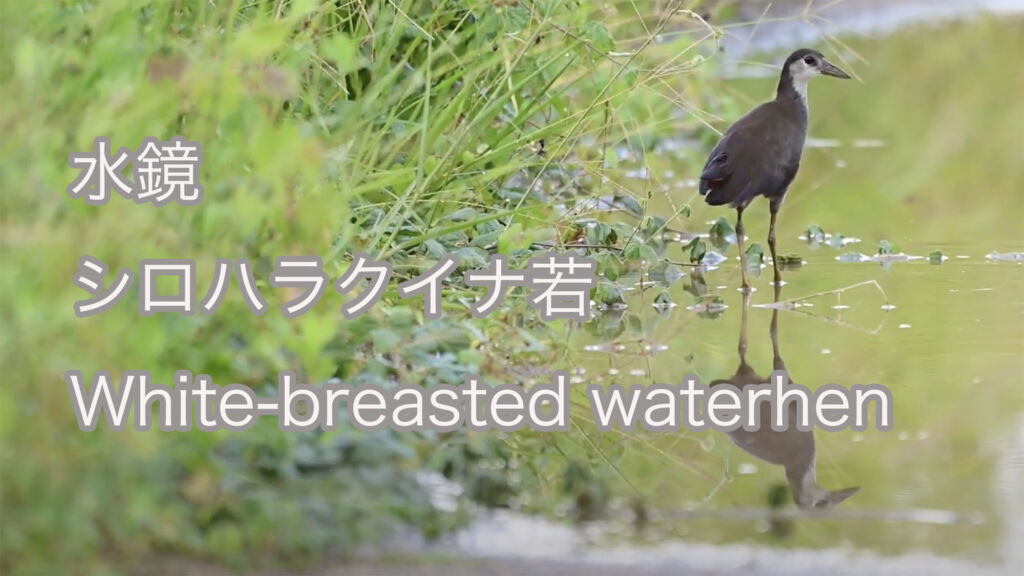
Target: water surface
(924, 153)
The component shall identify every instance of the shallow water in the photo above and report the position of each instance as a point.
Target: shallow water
(922, 152)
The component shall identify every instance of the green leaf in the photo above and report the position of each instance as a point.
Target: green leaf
(401, 317)
(663, 300)
(631, 204)
(343, 50)
(755, 254)
(837, 241)
(652, 225)
(722, 229)
(260, 39)
(601, 234)
(815, 233)
(609, 266)
(673, 274)
(471, 258)
(886, 247)
(599, 36)
(435, 249)
(936, 257)
(513, 239)
(608, 294)
(516, 18)
(384, 340)
(631, 251)
(648, 253)
(698, 249)
(790, 260)
(462, 214)
(300, 8)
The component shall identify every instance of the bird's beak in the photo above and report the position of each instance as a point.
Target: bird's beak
(830, 69)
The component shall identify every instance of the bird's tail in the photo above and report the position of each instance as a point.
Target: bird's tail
(714, 197)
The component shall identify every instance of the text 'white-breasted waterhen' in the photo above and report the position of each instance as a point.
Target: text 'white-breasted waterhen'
(759, 155)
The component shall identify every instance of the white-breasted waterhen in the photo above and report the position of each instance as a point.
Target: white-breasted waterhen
(759, 155)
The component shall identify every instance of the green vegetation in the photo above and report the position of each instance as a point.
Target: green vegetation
(404, 129)
(409, 130)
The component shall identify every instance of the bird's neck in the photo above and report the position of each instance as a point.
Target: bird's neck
(792, 90)
(802, 474)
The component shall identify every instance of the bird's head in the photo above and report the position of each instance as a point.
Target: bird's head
(805, 64)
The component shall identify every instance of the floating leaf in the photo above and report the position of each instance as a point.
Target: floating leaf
(885, 247)
(852, 257)
(673, 274)
(755, 254)
(790, 261)
(815, 234)
(936, 257)
(663, 300)
(710, 306)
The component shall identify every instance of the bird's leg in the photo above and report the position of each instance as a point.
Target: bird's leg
(742, 348)
(774, 209)
(739, 244)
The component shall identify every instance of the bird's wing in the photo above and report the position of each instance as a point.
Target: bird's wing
(753, 145)
(725, 157)
(717, 168)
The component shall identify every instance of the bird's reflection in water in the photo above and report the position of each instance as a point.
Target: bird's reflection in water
(792, 449)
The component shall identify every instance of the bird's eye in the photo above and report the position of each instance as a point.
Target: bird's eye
(809, 60)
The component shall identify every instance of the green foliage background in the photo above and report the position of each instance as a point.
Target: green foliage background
(403, 129)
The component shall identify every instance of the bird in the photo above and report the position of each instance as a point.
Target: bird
(759, 155)
(791, 448)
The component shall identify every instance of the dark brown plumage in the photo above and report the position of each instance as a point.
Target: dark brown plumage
(759, 155)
